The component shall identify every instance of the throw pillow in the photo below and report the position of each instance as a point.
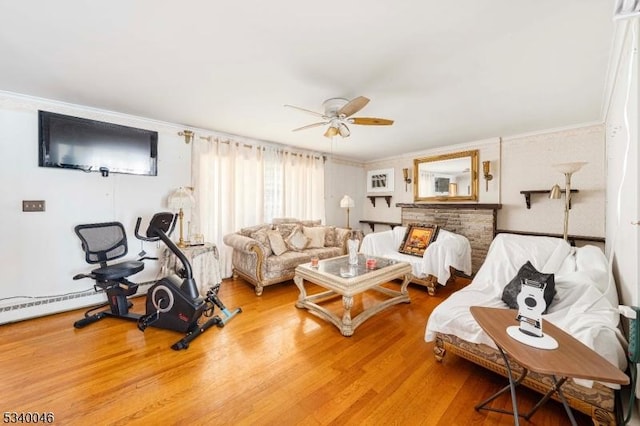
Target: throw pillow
(286, 229)
(296, 241)
(330, 236)
(315, 235)
(277, 242)
(528, 271)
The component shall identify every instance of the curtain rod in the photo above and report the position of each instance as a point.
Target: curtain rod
(246, 145)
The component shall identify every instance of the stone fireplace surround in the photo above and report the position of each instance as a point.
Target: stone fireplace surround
(477, 222)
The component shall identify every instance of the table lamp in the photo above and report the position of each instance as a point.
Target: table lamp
(567, 169)
(181, 199)
(347, 203)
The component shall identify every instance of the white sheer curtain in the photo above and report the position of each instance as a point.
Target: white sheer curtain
(239, 184)
(303, 186)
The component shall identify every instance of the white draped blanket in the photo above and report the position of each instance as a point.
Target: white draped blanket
(448, 249)
(585, 306)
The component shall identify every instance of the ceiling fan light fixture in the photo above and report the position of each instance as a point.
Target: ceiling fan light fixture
(331, 132)
(338, 115)
(344, 130)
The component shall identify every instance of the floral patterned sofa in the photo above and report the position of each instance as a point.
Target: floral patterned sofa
(268, 254)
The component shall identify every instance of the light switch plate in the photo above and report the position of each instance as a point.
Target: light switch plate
(33, 205)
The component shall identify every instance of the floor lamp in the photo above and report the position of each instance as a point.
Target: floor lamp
(347, 203)
(567, 169)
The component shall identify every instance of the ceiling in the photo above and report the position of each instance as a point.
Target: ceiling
(447, 72)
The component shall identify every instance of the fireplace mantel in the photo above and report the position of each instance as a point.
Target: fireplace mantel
(449, 206)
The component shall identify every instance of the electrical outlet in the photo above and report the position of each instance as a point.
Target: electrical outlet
(33, 205)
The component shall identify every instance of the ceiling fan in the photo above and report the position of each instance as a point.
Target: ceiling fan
(337, 114)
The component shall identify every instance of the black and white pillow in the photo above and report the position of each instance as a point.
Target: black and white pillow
(529, 272)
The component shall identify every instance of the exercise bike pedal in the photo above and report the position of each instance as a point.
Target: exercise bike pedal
(146, 320)
(89, 320)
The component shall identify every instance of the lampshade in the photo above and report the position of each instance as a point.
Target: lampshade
(344, 130)
(346, 202)
(555, 193)
(181, 198)
(569, 167)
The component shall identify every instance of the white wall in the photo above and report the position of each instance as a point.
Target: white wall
(622, 174)
(622, 139)
(40, 252)
(343, 177)
(527, 165)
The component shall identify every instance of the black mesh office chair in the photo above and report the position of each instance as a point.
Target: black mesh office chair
(103, 243)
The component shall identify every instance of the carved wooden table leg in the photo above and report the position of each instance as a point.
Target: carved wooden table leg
(347, 326)
(404, 288)
(299, 282)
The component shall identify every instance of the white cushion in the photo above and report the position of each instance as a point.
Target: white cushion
(315, 235)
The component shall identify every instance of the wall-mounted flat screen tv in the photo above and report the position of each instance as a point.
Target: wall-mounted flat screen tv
(94, 146)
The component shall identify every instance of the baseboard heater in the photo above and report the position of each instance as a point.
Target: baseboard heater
(41, 306)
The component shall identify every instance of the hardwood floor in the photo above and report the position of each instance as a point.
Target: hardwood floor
(272, 364)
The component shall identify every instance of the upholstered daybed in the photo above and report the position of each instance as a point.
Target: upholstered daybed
(585, 306)
(449, 250)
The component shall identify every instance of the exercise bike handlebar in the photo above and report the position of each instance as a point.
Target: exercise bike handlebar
(152, 238)
(160, 226)
(179, 254)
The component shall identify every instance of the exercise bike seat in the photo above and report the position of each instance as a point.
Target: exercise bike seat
(104, 242)
(118, 270)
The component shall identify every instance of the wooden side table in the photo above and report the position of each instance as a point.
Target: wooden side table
(204, 265)
(571, 359)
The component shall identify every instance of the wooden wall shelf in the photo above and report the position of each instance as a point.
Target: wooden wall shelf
(372, 198)
(373, 223)
(462, 206)
(527, 195)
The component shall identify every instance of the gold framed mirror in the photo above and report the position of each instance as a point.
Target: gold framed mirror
(447, 177)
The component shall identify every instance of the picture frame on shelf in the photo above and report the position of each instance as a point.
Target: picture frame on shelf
(417, 238)
(380, 180)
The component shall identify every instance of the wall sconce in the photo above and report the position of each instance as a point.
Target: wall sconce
(486, 169)
(407, 179)
(188, 135)
(453, 189)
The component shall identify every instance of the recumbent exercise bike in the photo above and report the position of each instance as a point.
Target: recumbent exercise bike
(172, 302)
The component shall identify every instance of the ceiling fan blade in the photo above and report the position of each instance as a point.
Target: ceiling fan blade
(331, 132)
(370, 121)
(309, 126)
(353, 106)
(317, 114)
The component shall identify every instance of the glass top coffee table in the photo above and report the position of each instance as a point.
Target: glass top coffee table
(340, 278)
